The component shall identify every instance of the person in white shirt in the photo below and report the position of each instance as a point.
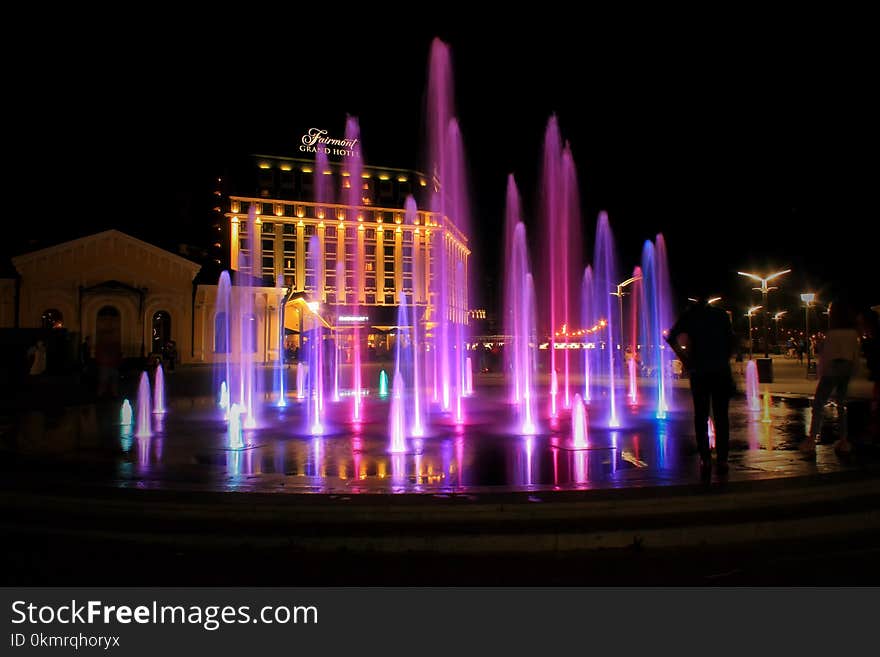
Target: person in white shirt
(838, 356)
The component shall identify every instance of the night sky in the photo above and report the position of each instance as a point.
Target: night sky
(753, 147)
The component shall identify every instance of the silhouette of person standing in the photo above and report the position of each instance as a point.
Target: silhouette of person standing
(703, 340)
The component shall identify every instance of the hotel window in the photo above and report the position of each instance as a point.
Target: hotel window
(370, 234)
(268, 245)
(268, 228)
(370, 250)
(267, 209)
(350, 233)
(289, 229)
(370, 281)
(310, 270)
(310, 230)
(331, 297)
(330, 231)
(407, 236)
(388, 236)
(370, 298)
(389, 299)
(386, 190)
(268, 264)
(407, 269)
(242, 227)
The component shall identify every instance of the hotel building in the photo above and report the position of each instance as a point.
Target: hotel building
(271, 220)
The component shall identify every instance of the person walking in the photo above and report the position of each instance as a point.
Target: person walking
(703, 340)
(838, 358)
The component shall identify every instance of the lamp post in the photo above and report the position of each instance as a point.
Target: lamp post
(764, 290)
(776, 319)
(749, 314)
(619, 294)
(808, 298)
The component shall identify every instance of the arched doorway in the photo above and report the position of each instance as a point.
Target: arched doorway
(108, 333)
(161, 333)
(52, 319)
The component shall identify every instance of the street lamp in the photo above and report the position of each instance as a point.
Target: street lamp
(763, 280)
(808, 298)
(619, 294)
(749, 314)
(776, 319)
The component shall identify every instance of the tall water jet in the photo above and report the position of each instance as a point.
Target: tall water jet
(280, 393)
(657, 319)
(633, 381)
(236, 440)
(468, 377)
(246, 320)
(519, 314)
(159, 390)
(315, 345)
(766, 418)
(446, 165)
(604, 283)
(753, 395)
(125, 413)
(144, 427)
(383, 384)
(665, 317)
(354, 165)
(417, 381)
(635, 306)
(300, 380)
(588, 319)
(396, 426)
(337, 343)
(579, 423)
(223, 336)
(560, 217)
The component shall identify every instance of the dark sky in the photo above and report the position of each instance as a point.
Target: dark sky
(749, 144)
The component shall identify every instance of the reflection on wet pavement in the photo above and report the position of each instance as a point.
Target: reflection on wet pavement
(188, 450)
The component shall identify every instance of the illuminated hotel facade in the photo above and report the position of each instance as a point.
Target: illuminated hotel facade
(270, 233)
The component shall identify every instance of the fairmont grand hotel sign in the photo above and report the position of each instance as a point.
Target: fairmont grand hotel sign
(316, 140)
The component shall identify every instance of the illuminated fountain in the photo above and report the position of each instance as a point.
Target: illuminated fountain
(604, 281)
(159, 391)
(396, 419)
(446, 162)
(588, 317)
(281, 394)
(223, 401)
(579, 426)
(519, 316)
(144, 427)
(223, 339)
(560, 217)
(753, 393)
(235, 440)
(383, 384)
(315, 349)
(766, 418)
(354, 166)
(125, 414)
(656, 321)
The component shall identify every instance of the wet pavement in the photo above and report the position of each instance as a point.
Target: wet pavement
(189, 449)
